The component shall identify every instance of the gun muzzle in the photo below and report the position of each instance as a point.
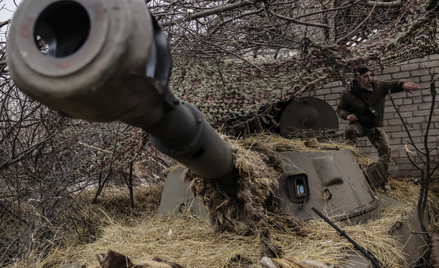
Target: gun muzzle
(108, 60)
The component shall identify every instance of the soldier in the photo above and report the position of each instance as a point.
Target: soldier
(363, 105)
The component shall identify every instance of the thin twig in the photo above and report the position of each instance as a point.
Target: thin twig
(98, 192)
(212, 11)
(21, 154)
(221, 74)
(359, 25)
(413, 162)
(326, 10)
(394, 3)
(94, 147)
(4, 23)
(405, 126)
(9, 246)
(299, 21)
(13, 214)
(237, 17)
(434, 169)
(234, 54)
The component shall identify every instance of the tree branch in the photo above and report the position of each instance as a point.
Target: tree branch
(327, 10)
(212, 11)
(405, 127)
(361, 23)
(396, 3)
(101, 186)
(300, 22)
(237, 17)
(4, 23)
(12, 213)
(234, 54)
(21, 154)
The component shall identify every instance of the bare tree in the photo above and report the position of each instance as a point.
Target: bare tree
(429, 166)
(236, 28)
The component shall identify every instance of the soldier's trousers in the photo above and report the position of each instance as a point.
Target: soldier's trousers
(376, 136)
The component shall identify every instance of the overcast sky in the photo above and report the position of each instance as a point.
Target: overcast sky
(7, 9)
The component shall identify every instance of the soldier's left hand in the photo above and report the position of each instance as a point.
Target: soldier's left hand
(410, 87)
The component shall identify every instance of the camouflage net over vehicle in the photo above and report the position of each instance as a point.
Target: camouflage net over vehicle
(258, 168)
(233, 89)
(252, 211)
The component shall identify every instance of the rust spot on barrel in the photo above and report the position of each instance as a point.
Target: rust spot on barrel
(26, 29)
(62, 65)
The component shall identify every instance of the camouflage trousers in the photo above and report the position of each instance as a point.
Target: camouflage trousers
(376, 136)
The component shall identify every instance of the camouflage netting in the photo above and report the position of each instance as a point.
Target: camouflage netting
(258, 168)
(233, 89)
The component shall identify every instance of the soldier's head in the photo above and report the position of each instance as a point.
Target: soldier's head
(364, 78)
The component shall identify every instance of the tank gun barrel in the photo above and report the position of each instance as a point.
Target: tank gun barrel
(108, 60)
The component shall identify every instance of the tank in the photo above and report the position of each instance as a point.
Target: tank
(108, 60)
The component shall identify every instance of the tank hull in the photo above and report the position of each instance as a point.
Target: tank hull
(333, 183)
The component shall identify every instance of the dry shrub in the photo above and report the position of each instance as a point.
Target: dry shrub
(83, 222)
(407, 191)
(190, 242)
(112, 206)
(433, 207)
(115, 201)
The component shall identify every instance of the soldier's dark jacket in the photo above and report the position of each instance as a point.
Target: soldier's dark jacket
(352, 103)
